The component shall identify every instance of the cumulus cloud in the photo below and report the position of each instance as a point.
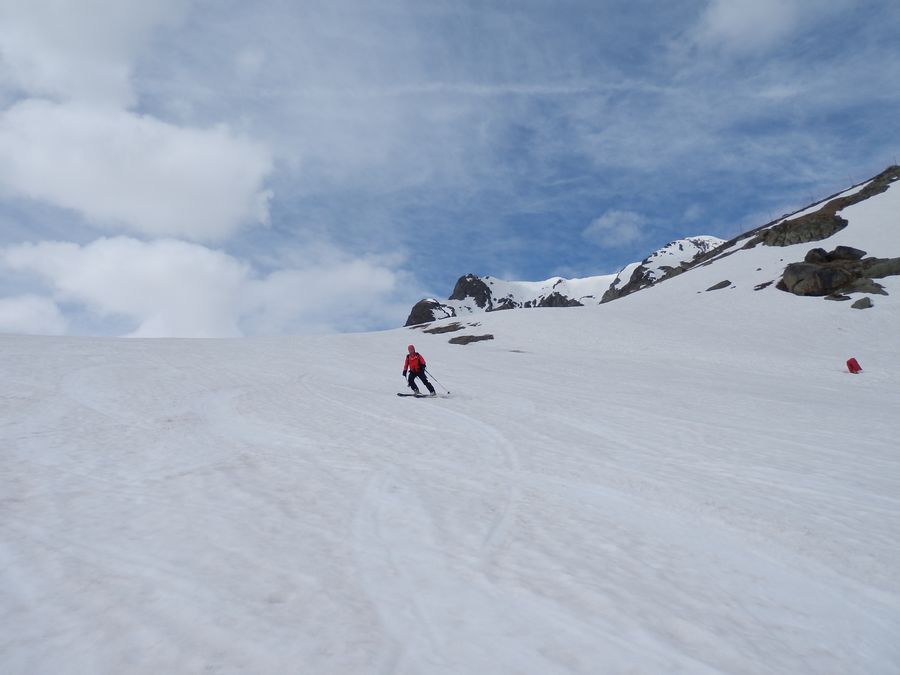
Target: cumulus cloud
(134, 173)
(616, 229)
(31, 314)
(78, 50)
(170, 288)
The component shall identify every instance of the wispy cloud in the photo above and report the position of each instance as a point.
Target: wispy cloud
(747, 26)
(79, 51)
(615, 229)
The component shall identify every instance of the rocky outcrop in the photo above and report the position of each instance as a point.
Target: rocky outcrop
(468, 339)
(811, 227)
(837, 273)
(670, 260)
(814, 225)
(471, 286)
(825, 222)
(557, 299)
(428, 310)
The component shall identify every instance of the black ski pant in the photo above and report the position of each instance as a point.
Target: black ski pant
(411, 380)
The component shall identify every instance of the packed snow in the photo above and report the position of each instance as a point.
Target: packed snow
(681, 481)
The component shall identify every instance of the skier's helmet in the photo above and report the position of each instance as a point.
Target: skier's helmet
(411, 349)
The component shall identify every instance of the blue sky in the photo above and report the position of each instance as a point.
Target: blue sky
(198, 168)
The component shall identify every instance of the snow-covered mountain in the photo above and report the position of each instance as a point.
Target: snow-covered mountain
(670, 259)
(685, 480)
(829, 273)
(473, 294)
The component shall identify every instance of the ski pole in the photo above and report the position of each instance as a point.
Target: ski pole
(436, 380)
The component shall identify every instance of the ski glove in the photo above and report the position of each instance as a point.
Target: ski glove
(404, 373)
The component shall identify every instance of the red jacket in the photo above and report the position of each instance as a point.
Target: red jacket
(414, 363)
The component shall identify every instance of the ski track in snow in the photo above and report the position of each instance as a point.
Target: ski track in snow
(677, 482)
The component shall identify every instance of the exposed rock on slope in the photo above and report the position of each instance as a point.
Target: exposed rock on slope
(473, 294)
(668, 261)
(844, 270)
(427, 310)
(813, 223)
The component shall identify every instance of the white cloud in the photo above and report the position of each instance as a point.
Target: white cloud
(350, 294)
(170, 288)
(616, 229)
(134, 173)
(744, 26)
(167, 287)
(31, 314)
(78, 50)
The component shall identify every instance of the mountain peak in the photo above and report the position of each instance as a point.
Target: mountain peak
(473, 294)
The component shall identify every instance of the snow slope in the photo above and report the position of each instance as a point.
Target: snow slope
(680, 481)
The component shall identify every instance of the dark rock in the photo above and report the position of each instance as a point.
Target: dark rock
(449, 328)
(837, 296)
(845, 253)
(428, 310)
(471, 286)
(501, 304)
(810, 279)
(466, 339)
(720, 285)
(820, 255)
(761, 286)
(864, 285)
(878, 268)
(862, 303)
(811, 227)
(836, 273)
(557, 299)
(816, 255)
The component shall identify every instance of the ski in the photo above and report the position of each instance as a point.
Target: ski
(447, 395)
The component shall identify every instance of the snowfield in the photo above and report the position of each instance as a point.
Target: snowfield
(680, 481)
(697, 488)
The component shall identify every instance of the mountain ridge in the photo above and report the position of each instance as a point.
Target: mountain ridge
(820, 272)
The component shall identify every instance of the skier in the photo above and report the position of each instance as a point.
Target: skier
(415, 365)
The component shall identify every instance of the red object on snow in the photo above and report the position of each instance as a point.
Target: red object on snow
(853, 366)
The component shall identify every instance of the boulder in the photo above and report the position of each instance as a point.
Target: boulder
(816, 255)
(820, 255)
(812, 279)
(846, 253)
(427, 310)
(834, 274)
